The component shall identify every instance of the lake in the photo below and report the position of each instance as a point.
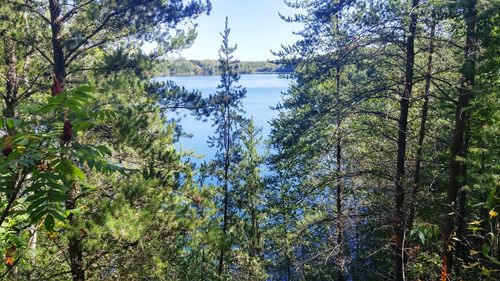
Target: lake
(263, 92)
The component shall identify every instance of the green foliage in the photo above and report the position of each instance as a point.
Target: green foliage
(39, 168)
(66, 158)
(367, 43)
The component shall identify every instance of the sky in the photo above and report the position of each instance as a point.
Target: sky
(255, 27)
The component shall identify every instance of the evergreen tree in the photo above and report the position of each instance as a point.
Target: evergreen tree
(65, 127)
(249, 202)
(393, 54)
(227, 120)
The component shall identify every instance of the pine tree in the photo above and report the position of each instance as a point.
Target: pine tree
(459, 147)
(227, 120)
(54, 53)
(249, 202)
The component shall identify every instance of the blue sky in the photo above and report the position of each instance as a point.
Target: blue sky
(255, 26)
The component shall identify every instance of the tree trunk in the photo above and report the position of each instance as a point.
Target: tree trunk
(224, 225)
(74, 244)
(462, 208)
(255, 232)
(32, 243)
(226, 183)
(458, 149)
(338, 167)
(11, 82)
(58, 52)
(400, 225)
(423, 121)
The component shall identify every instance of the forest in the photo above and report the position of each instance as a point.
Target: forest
(382, 162)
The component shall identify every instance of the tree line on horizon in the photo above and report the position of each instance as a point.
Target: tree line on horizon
(184, 67)
(382, 162)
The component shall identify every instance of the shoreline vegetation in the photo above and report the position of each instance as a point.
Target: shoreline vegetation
(208, 67)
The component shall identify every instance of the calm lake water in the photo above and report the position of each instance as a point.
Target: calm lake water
(263, 91)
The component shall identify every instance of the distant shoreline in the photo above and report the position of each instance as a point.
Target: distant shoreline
(183, 67)
(216, 75)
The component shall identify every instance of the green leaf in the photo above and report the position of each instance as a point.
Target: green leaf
(37, 201)
(486, 249)
(67, 168)
(421, 237)
(77, 173)
(84, 90)
(57, 196)
(49, 222)
(494, 260)
(57, 215)
(37, 215)
(104, 150)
